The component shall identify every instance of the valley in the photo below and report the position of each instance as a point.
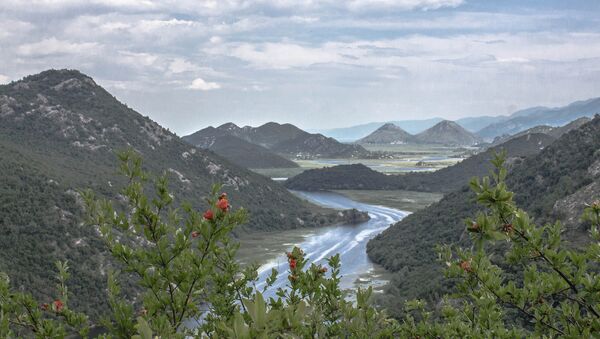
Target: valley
(349, 240)
(299, 169)
(394, 159)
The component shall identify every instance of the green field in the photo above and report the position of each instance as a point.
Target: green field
(402, 159)
(403, 200)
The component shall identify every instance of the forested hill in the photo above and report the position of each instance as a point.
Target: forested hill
(554, 184)
(444, 180)
(237, 150)
(59, 132)
(291, 141)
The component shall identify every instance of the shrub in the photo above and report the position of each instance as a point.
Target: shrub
(184, 260)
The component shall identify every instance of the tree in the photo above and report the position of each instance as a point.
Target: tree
(183, 262)
(555, 291)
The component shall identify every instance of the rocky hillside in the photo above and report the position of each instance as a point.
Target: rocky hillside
(553, 184)
(448, 133)
(444, 180)
(387, 134)
(238, 151)
(290, 141)
(522, 120)
(59, 132)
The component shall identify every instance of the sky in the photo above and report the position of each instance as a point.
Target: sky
(189, 64)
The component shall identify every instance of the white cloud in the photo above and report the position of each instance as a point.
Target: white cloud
(180, 65)
(402, 4)
(202, 85)
(4, 79)
(136, 59)
(53, 46)
(221, 7)
(283, 55)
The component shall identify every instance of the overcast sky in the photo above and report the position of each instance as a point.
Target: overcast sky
(317, 64)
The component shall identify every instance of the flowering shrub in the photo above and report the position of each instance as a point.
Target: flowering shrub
(540, 288)
(184, 263)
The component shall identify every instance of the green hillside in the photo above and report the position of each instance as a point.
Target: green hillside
(567, 170)
(59, 132)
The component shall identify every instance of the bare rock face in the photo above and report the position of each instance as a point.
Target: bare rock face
(570, 208)
(595, 169)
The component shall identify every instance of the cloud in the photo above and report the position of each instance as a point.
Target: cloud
(224, 7)
(283, 55)
(136, 59)
(53, 46)
(202, 85)
(180, 65)
(402, 4)
(4, 79)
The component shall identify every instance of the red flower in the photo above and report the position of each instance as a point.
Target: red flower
(507, 228)
(195, 234)
(293, 264)
(208, 215)
(58, 306)
(223, 204)
(465, 266)
(474, 228)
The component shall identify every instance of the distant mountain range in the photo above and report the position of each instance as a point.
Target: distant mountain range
(283, 139)
(525, 119)
(553, 184)
(487, 127)
(59, 132)
(554, 132)
(237, 150)
(353, 133)
(444, 132)
(445, 180)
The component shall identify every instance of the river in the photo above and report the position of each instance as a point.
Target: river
(349, 241)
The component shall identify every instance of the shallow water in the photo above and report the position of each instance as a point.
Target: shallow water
(349, 241)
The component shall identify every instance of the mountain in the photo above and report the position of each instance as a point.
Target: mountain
(444, 180)
(236, 150)
(555, 132)
(387, 134)
(59, 132)
(353, 133)
(474, 124)
(559, 131)
(448, 133)
(524, 119)
(554, 184)
(291, 141)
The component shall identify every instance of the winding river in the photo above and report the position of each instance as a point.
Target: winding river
(349, 241)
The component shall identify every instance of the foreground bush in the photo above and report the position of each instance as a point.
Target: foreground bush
(183, 261)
